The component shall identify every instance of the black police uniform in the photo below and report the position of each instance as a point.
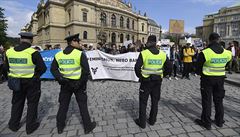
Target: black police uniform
(68, 87)
(211, 86)
(149, 86)
(30, 89)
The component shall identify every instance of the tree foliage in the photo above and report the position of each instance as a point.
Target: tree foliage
(3, 27)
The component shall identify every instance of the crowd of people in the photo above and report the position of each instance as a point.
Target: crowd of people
(183, 57)
(71, 69)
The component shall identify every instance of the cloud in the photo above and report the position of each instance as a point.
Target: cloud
(215, 2)
(17, 14)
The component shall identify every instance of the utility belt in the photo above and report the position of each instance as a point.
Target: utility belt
(152, 78)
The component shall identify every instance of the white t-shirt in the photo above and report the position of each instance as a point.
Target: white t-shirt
(233, 51)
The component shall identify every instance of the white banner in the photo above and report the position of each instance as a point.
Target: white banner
(118, 67)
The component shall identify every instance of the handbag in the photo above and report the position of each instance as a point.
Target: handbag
(14, 84)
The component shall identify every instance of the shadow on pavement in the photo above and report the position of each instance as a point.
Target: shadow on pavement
(44, 106)
(129, 105)
(189, 110)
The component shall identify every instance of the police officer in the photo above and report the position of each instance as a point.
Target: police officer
(25, 64)
(211, 66)
(70, 68)
(149, 69)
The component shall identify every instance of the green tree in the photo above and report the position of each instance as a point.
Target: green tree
(3, 27)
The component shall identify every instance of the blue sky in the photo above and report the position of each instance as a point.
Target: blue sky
(18, 12)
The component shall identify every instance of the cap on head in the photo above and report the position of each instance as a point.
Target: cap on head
(214, 36)
(72, 37)
(27, 35)
(151, 39)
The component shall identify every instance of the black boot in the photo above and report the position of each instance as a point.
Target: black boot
(201, 123)
(150, 122)
(14, 129)
(137, 121)
(90, 128)
(60, 130)
(33, 128)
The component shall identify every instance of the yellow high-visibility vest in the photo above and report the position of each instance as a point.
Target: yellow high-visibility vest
(215, 63)
(153, 64)
(20, 63)
(69, 64)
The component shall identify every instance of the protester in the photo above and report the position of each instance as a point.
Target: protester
(188, 53)
(123, 50)
(48, 47)
(57, 46)
(114, 50)
(1, 64)
(174, 58)
(194, 60)
(235, 58)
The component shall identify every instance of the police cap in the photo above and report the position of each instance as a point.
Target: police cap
(214, 36)
(27, 35)
(74, 37)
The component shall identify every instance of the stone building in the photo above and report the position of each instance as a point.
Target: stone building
(154, 29)
(106, 21)
(226, 22)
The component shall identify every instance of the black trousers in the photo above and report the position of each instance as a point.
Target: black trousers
(152, 88)
(64, 100)
(30, 89)
(187, 68)
(174, 70)
(1, 72)
(212, 87)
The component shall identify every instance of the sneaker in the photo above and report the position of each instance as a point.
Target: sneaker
(169, 78)
(175, 78)
(201, 123)
(195, 75)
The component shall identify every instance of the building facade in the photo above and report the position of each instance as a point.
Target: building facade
(225, 22)
(154, 29)
(97, 21)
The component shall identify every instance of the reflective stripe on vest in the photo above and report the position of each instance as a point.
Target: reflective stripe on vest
(152, 64)
(20, 63)
(69, 64)
(215, 63)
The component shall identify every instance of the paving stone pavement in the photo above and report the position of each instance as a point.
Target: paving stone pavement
(114, 105)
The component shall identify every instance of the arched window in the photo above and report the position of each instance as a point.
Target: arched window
(85, 35)
(142, 26)
(69, 15)
(121, 22)
(113, 37)
(143, 41)
(128, 22)
(133, 38)
(128, 37)
(114, 20)
(121, 38)
(84, 16)
(133, 24)
(103, 18)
